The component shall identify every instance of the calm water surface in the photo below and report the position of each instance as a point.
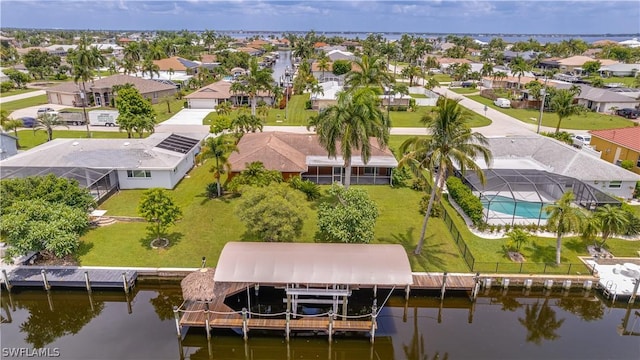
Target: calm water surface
(110, 325)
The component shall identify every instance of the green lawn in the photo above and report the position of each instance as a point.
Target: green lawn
(443, 77)
(295, 114)
(412, 118)
(23, 103)
(628, 81)
(464, 91)
(16, 92)
(29, 138)
(208, 224)
(418, 96)
(586, 121)
(162, 112)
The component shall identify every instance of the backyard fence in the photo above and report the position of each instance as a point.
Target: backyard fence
(507, 267)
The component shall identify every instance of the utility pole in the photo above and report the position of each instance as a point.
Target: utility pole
(544, 95)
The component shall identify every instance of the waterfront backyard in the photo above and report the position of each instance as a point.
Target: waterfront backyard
(208, 224)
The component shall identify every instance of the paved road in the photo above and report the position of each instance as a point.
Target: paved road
(5, 99)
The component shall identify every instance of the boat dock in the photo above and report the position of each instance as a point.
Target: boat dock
(69, 277)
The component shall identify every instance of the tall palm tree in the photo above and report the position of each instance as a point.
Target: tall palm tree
(371, 71)
(47, 122)
(219, 148)
(452, 145)
(563, 218)
(324, 64)
(256, 80)
(519, 67)
(354, 119)
(612, 220)
(562, 103)
(223, 108)
(148, 66)
(84, 60)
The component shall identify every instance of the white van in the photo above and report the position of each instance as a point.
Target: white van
(103, 117)
(502, 102)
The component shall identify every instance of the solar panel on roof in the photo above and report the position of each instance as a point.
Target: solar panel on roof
(177, 143)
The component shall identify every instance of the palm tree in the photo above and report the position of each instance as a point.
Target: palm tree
(563, 218)
(245, 123)
(352, 121)
(562, 103)
(324, 64)
(411, 72)
(47, 122)
(371, 72)
(129, 66)
(611, 220)
(487, 69)
(452, 145)
(219, 148)
(223, 108)
(519, 67)
(148, 66)
(170, 72)
(256, 80)
(431, 83)
(84, 61)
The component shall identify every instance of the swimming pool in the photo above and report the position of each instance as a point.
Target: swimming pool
(227, 78)
(508, 206)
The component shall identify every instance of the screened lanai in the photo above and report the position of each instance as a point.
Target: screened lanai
(100, 182)
(512, 196)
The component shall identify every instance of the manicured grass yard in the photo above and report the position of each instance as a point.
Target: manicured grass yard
(587, 121)
(23, 103)
(16, 92)
(29, 138)
(296, 114)
(464, 91)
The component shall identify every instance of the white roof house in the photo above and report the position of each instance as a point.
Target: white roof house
(160, 160)
(633, 43)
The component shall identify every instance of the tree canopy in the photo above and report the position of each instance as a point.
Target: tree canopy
(49, 188)
(273, 213)
(136, 115)
(350, 218)
(159, 209)
(41, 226)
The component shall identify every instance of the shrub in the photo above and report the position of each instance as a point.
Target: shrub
(436, 210)
(307, 105)
(341, 67)
(627, 164)
(469, 203)
(562, 136)
(307, 187)
(212, 190)
(6, 86)
(399, 177)
(419, 184)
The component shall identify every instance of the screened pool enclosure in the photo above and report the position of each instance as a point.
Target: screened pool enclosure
(520, 196)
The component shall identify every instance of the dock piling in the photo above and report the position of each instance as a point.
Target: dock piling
(330, 325)
(505, 283)
(245, 326)
(287, 328)
(86, 281)
(176, 315)
(44, 280)
(548, 284)
(632, 298)
(587, 285)
(528, 283)
(125, 283)
(566, 285)
(444, 285)
(407, 291)
(374, 316)
(7, 284)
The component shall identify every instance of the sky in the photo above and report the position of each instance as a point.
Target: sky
(426, 16)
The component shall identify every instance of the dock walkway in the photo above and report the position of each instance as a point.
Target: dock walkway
(70, 277)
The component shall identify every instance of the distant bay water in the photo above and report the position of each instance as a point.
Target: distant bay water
(509, 38)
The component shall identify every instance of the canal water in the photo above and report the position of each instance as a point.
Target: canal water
(282, 64)
(113, 325)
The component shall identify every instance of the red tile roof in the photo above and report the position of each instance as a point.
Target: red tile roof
(626, 137)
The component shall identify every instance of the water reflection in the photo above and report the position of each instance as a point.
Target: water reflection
(499, 325)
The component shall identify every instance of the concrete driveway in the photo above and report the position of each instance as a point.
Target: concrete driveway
(188, 117)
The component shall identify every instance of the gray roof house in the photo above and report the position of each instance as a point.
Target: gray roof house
(102, 165)
(620, 70)
(8, 145)
(601, 100)
(546, 154)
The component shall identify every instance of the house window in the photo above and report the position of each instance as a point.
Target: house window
(138, 173)
(369, 170)
(616, 184)
(638, 163)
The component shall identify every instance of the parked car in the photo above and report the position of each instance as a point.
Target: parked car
(581, 140)
(29, 122)
(629, 113)
(502, 102)
(46, 110)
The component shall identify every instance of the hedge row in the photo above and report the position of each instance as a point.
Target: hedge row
(469, 203)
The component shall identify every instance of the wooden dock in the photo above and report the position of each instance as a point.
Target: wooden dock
(70, 277)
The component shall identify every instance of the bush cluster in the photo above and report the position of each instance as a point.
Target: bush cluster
(469, 203)
(310, 189)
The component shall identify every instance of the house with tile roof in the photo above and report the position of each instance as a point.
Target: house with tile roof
(178, 65)
(208, 97)
(618, 145)
(302, 155)
(101, 90)
(601, 100)
(573, 62)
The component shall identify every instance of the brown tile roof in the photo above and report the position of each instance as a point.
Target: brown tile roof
(208, 58)
(285, 152)
(257, 43)
(579, 60)
(627, 137)
(444, 60)
(320, 44)
(171, 63)
(217, 90)
(249, 50)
